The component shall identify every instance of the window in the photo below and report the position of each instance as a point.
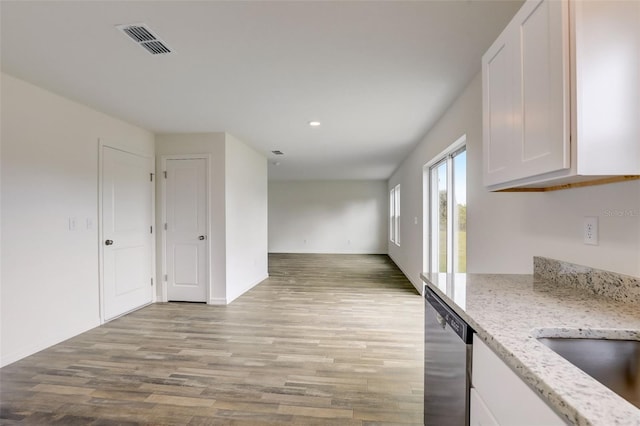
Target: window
(394, 214)
(446, 210)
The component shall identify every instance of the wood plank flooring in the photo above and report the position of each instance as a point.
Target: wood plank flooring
(327, 339)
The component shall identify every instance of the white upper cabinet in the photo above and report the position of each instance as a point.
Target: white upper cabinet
(500, 121)
(607, 75)
(561, 95)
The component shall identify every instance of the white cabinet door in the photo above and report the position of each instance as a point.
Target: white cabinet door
(544, 87)
(561, 95)
(607, 79)
(501, 121)
(479, 414)
(506, 396)
(526, 117)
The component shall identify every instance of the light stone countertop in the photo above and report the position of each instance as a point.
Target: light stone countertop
(509, 311)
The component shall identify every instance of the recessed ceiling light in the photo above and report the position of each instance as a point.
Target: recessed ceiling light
(314, 123)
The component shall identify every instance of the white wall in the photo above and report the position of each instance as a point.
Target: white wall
(505, 230)
(49, 170)
(212, 144)
(238, 210)
(246, 213)
(328, 216)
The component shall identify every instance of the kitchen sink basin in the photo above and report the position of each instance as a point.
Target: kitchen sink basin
(614, 363)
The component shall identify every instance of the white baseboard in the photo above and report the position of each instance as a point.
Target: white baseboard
(249, 287)
(128, 312)
(320, 251)
(418, 286)
(227, 300)
(49, 341)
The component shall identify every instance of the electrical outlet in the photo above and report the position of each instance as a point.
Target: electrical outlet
(590, 230)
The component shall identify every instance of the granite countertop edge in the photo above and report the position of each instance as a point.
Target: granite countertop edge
(546, 372)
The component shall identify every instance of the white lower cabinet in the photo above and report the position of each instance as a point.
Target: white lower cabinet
(479, 413)
(500, 397)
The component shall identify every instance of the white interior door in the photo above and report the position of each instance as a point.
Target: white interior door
(186, 230)
(126, 231)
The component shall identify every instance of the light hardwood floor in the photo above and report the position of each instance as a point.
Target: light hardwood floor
(327, 339)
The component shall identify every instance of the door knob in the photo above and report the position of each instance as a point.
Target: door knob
(202, 237)
(108, 242)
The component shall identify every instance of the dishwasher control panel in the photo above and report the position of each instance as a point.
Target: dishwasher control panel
(447, 316)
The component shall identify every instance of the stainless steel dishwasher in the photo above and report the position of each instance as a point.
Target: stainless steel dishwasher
(447, 364)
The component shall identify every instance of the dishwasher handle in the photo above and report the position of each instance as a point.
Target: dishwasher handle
(441, 321)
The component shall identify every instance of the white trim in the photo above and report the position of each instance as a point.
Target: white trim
(163, 215)
(249, 287)
(313, 251)
(450, 195)
(394, 214)
(48, 341)
(459, 143)
(129, 311)
(226, 301)
(418, 285)
(398, 202)
(426, 212)
(433, 221)
(152, 182)
(101, 146)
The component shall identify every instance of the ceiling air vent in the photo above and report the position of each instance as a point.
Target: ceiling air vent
(277, 152)
(142, 35)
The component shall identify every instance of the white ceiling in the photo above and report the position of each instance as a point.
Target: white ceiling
(376, 74)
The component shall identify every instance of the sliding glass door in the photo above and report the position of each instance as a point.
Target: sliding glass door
(448, 213)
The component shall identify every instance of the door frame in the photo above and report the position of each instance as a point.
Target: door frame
(163, 219)
(101, 146)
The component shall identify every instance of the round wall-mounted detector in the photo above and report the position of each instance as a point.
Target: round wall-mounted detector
(314, 123)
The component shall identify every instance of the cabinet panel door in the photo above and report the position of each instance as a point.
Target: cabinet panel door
(509, 400)
(479, 414)
(544, 64)
(607, 49)
(501, 121)
(526, 93)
